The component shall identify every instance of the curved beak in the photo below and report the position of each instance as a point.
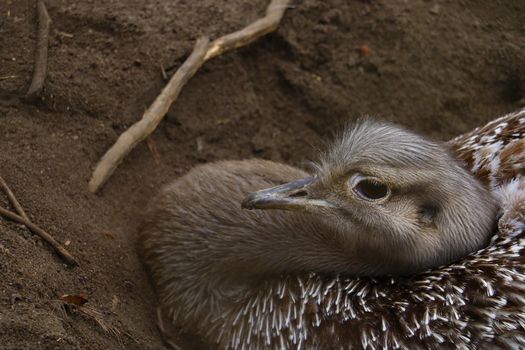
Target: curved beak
(294, 195)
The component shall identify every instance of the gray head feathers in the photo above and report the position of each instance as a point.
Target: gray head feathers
(433, 210)
(370, 140)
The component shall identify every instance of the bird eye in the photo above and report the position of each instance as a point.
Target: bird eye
(370, 188)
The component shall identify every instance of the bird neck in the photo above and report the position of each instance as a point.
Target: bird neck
(288, 243)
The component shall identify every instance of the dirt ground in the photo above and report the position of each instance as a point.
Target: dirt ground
(440, 67)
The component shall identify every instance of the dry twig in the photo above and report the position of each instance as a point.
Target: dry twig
(39, 74)
(7, 77)
(12, 199)
(202, 52)
(152, 146)
(152, 117)
(43, 234)
(23, 219)
(163, 72)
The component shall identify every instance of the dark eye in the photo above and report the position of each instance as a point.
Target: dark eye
(370, 188)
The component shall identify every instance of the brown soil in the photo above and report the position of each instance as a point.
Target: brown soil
(440, 67)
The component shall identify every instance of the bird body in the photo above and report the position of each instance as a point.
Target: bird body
(389, 244)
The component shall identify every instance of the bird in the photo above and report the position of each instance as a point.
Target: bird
(390, 241)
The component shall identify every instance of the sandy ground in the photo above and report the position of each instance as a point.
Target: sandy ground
(440, 67)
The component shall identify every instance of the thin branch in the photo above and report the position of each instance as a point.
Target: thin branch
(12, 199)
(21, 212)
(70, 260)
(6, 77)
(23, 219)
(250, 33)
(163, 72)
(151, 118)
(39, 74)
(202, 52)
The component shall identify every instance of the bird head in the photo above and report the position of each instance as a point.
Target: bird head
(393, 200)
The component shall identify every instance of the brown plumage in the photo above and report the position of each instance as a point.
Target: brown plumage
(385, 245)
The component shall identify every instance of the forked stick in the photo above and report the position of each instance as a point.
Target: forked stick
(23, 219)
(202, 52)
(250, 33)
(59, 248)
(11, 196)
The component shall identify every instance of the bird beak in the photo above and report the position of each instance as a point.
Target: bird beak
(291, 196)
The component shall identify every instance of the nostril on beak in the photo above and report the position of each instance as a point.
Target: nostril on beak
(301, 193)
